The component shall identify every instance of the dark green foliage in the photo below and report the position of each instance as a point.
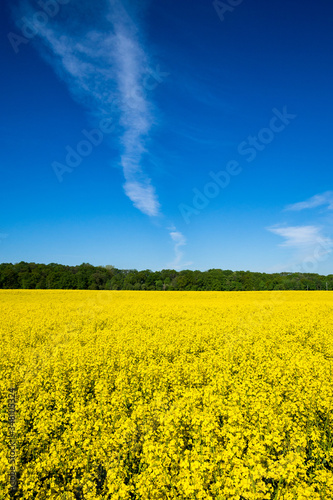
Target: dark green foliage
(88, 277)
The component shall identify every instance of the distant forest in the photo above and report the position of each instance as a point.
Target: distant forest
(87, 277)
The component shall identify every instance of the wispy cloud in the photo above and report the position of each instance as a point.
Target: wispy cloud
(142, 196)
(309, 242)
(299, 236)
(324, 199)
(179, 241)
(105, 69)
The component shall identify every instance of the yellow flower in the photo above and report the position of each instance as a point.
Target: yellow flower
(162, 395)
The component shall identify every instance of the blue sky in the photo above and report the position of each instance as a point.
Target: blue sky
(167, 134)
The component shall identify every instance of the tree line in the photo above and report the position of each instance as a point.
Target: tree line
(26, 275)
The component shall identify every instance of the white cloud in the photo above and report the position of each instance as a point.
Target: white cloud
(143, 197)
(179, 241)
(309, 243)
(105, 71)
(178, 238)
(315, 201)
(298, 236)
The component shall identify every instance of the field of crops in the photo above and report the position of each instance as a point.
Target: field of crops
(163, 395)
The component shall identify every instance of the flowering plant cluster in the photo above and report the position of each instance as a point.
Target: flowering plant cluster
(150, 396)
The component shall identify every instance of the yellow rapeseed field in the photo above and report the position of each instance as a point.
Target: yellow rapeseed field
(164, 395)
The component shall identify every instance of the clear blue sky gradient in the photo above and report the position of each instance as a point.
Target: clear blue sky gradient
(221, 157)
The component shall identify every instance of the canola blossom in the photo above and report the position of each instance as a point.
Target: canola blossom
(166, 395)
